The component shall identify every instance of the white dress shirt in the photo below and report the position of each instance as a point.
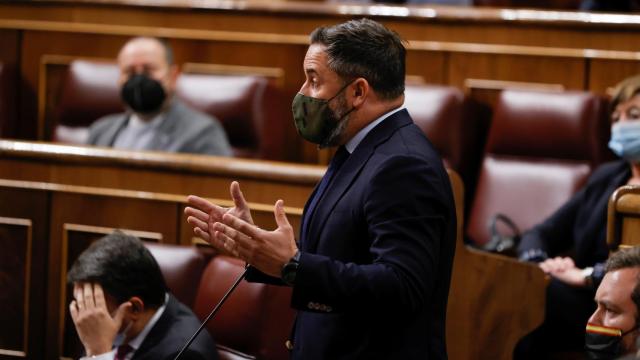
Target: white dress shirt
(352, 144)
(138, 134)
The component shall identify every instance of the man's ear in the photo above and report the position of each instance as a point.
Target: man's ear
(174, 73)
(360, 91)
(137, 306)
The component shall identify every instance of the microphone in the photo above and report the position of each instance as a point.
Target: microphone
(214, 311)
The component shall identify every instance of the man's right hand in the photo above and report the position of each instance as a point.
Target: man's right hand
(202, 214)
(95, 326)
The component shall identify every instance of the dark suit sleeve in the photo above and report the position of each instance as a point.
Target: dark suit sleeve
(255, 275)
(555, 234)
(407, 206)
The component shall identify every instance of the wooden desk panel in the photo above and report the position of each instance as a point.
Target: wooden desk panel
(262, 182)
(493, 300)
(24, 214)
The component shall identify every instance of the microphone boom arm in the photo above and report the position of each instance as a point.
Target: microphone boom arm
(213, 312)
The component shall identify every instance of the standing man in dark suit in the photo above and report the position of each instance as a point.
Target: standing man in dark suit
(371, 272)
(156, 119)
(121, 307)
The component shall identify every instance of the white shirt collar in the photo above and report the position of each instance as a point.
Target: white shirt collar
(352, 144)
(136, 122)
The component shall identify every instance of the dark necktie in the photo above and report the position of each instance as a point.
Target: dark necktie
(122, 351)
(338, 159)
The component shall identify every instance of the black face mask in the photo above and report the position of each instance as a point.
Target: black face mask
(143, 94)
(604, 343)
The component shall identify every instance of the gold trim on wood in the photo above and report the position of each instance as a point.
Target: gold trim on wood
(304, 174)
(277, 74)
(174, 33)
(303, 40)
(487, 84)
(13, 353)
(27, 285)
(132, 194)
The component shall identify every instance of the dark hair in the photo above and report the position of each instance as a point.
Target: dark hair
(124, 268)
(623, 259)
(365, 48)
(624, 90)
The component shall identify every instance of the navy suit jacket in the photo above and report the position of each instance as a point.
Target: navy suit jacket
(174, 328)
(376, 260)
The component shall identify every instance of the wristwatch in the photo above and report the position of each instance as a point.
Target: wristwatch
(588, 277)
(290, 270)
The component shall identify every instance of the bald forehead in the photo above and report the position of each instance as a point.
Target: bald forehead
(148, 47)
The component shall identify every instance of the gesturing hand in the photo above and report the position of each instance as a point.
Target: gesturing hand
(202, 214)
(267, 251)
(95, 326)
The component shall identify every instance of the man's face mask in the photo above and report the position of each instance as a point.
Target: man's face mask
(314, 119)
(143, 94)
(625, 140)
(602, 342)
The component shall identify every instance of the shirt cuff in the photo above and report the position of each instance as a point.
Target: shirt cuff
(533, 255)
(106, 356)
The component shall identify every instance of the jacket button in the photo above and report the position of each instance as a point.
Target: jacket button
(289, 345)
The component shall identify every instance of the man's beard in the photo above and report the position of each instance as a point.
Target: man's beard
(336, 136)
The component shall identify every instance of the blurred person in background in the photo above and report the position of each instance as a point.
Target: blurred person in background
(579, 228)
(156, 119)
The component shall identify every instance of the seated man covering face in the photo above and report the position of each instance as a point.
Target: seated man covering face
(156, 119)
(613, 328)
(121, 307)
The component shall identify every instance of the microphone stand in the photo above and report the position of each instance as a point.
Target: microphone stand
(214, 311)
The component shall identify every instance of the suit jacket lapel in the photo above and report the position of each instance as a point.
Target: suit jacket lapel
(168, 127)
(109, 137)
(349, 172)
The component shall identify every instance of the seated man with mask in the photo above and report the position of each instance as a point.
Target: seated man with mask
(156, 119)
(613, 328)
(121, 307)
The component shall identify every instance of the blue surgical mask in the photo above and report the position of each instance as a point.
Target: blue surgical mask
(625, 140)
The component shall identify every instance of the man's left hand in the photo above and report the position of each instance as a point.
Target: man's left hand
(267, 251)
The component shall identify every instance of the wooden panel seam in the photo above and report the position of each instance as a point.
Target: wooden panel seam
(27, 279)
